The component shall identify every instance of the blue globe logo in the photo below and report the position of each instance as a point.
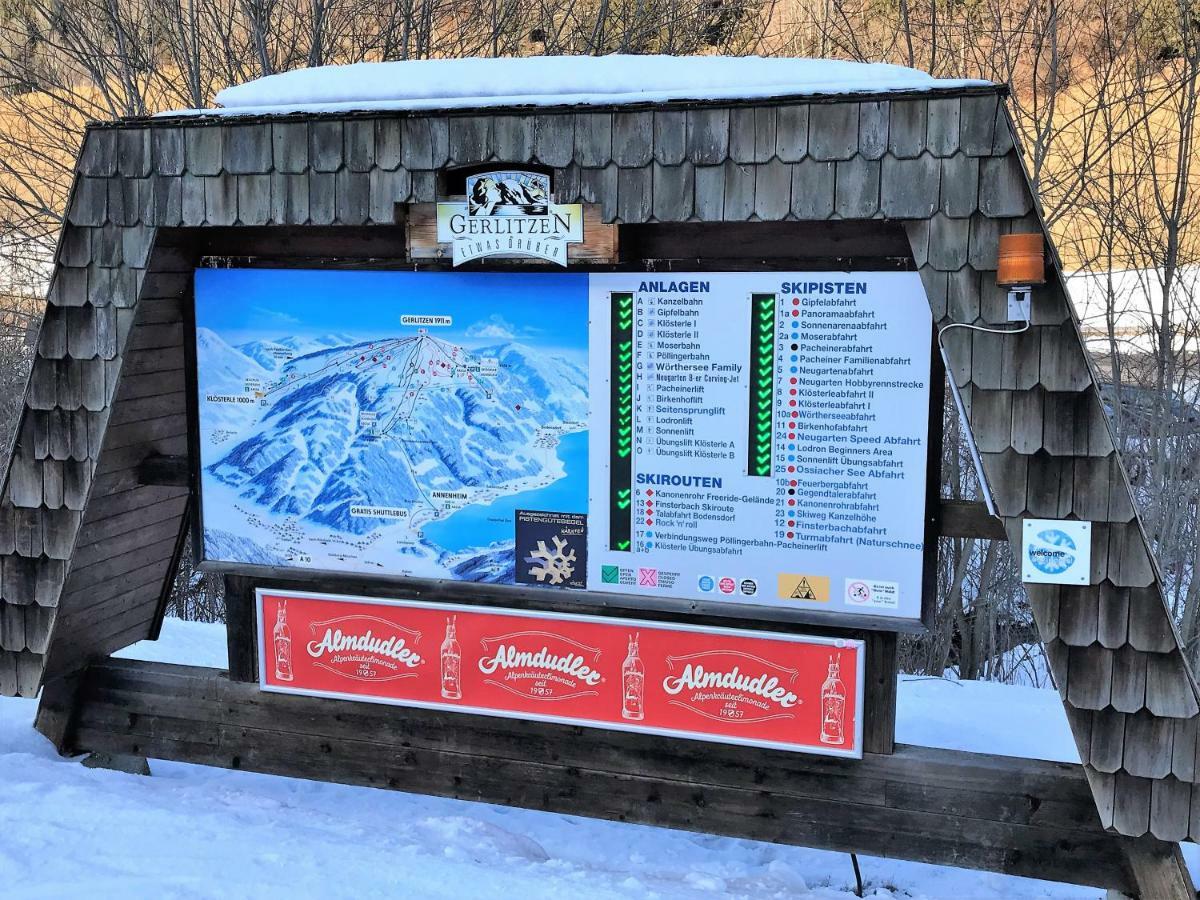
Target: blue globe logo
(1051, 551)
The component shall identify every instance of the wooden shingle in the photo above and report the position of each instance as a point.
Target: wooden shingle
(98, 157)
(941, 135)
(991, 415)
(710, 193)
(553, 140)
(977, 124)
(89, 202)
(1150, 628)
(353, 197)
(812, 189)
(1131, 804)
(322, 192)
(772, 191)
(471, 139)
(593, 139)
(386, 189)
(1169, 690)
(1007, 473)
(600, 186)
(907, 128)
(191, 199)
(325, 145)
(634, 194)
(791, 133)
(1078, 615)
(739, 192)
(246, 149)
(632, 139)
(708, 136)
(220, 200)
(959, 185)
(512, 138)
(1113, 618)
(389, 142)
(1184, 746)
(1170, 807)
(1128, 560)
(1049, 490)
(1106, 752)
(670, 137)
(1090, 678)
(674, 191)
(984, 243)
(416, 149)
(948, 250)
(857, 188)
(289, 143)
(359, 150)
(873, 119)
(202, 150)
(833, 131)
(289, 199)
(167, 151)
(254, 199)
(1003, 191)
(1147, 745)
(909, 186)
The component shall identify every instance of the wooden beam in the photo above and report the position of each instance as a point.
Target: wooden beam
(1021, 817)
(172, 471)
(879, 693)
(1158, 871)
(970, 519)
(241, 628)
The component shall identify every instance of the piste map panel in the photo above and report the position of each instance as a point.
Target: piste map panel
(749, 438)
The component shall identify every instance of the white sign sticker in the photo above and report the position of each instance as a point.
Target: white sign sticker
(1056, 551)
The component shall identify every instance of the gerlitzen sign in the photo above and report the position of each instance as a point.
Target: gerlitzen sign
(760, 689)
(509, 213)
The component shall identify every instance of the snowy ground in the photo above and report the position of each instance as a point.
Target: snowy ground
(193, 832)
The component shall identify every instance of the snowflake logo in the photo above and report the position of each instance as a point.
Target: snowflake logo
(552, 566)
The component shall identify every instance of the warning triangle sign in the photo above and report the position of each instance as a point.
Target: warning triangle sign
(803, 591)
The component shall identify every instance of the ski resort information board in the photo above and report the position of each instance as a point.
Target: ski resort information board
(743, 438)
(785, 691)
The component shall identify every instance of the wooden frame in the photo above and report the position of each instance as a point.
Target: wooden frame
(887, 249)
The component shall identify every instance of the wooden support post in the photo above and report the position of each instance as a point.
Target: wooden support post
(1157, 870)
(57, 710)
(241, 628)
(879, 693)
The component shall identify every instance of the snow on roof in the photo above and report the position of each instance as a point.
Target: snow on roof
(561, 81)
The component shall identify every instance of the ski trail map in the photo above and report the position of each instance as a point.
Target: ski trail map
(405, 423)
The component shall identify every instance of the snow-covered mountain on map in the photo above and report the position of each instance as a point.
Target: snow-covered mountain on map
(274, 355)
(391, 423)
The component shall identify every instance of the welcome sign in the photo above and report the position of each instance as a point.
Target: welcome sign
(509, 213)
(785, 691)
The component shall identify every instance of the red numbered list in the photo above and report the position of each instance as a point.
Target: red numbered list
(717, 684)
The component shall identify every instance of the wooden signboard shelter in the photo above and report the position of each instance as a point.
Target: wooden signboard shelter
(101, 489)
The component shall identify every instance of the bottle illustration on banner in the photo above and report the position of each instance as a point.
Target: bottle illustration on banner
(833, 704)
(633, 683)
(451, 662)
(283, 644)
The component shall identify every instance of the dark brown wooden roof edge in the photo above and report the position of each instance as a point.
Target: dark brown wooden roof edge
(176, 120)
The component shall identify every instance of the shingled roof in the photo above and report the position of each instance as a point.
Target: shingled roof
(87, 548)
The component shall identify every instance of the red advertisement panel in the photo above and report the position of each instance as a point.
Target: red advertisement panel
(716, 684)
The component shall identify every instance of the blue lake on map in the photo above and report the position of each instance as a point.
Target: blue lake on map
(478, 525)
